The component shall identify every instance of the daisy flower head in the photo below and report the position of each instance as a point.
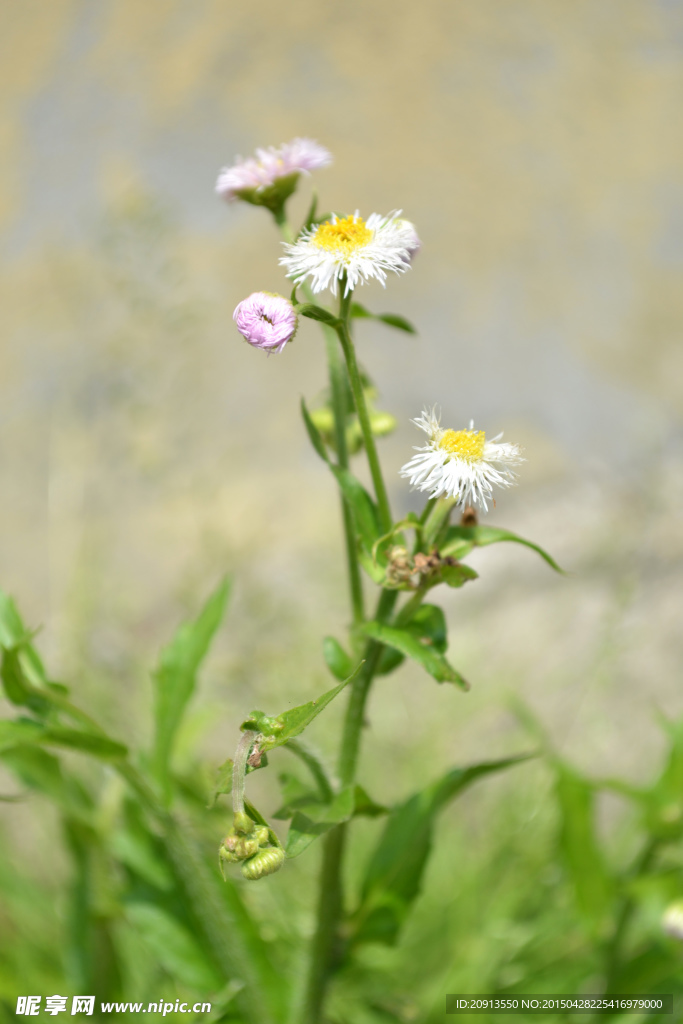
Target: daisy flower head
(350, 248)
(266, 321)
(461, 464)
(271, 176)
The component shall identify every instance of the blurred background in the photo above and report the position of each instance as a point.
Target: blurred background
(146, 450)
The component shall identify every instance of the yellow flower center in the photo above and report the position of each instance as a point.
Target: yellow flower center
(464, 444)
(343, 237)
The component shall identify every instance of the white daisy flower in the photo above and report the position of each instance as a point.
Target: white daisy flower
(351, 247)
(461, 464)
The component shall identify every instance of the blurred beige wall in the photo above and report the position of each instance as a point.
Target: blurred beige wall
(536, 144)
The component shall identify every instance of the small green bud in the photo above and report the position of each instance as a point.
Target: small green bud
(242, 823)
(265, 862)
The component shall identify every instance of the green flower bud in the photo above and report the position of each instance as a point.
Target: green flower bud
(242, 823)
(265, 862)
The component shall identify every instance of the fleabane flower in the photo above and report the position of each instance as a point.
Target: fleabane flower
(351, 248)
(271, 176)
(412, 238)
(267, 321)
(461, 464)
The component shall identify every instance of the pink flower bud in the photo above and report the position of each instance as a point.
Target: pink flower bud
(267, 321)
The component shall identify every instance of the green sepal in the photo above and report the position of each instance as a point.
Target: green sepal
(315, 312)
(336, 658)
(390, 319)
(393, 876)
(460, 540)
(274, 196)
(280, 729)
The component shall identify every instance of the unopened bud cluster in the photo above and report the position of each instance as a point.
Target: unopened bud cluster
(250, 844)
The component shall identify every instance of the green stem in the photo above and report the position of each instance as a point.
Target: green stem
(239, 770)
(343, 331)
(338, 395)
(330, 899)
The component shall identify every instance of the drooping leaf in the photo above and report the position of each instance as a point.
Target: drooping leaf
(289, 724)
(459, 537)
(175, 678)
(390, 319)
(592, 883)
(174, 946)
(394, 873)
(421, 648)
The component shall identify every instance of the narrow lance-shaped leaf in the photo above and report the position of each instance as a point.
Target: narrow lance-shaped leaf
(175, 678)
(390, 319)
(394, 873)
(313, 433)
(280, 729)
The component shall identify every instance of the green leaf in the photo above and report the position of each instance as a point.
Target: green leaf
(459, 537)
(313, 433)
(593, 886)
(173, 946)
(134, 845)
(365, 806)
(394, 873)
(390, 319)
(174, 680)
(15, 732)
(662, 803)
(314, 312)
(89, 743)
(13, 633)
(307, 827)
(365, 513)
(43, 772)
(26, 731)
(289, 724)
(420, 647)
(337, 660)
(457, 575)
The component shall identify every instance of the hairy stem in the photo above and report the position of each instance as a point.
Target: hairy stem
(239, 770)
(362, 410)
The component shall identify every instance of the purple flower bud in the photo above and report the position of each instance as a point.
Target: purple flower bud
(267, 321)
